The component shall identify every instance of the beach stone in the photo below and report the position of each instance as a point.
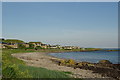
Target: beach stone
(83, 63)
(71, 61)
(104, 62)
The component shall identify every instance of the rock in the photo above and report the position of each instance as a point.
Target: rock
(82, 64)
(71, 62)
(104, 62)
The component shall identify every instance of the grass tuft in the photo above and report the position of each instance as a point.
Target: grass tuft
(15, 68)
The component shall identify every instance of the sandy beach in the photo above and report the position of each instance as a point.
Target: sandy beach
(43, 60)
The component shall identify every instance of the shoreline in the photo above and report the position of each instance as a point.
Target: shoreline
(75, 60)
(42, 59)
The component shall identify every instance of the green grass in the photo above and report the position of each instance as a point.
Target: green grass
(56, 50)
(0, 62)
(43, 73)
(67, 72)
(15, 68)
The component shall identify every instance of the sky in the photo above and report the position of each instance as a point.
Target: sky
(84, 24)
(60, 0)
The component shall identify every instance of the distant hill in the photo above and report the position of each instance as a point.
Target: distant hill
(36, 42)
(13, 41)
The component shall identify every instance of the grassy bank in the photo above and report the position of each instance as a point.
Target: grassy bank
(14, 68)
(64, 50)
(0, 62)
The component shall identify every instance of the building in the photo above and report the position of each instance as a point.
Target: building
(67, 47)
(44, 46)
(75, 47)
(55, 47)
(2, 45)
(36, 43)
(26, 45)
(70, 47)
(12, 45)
(82, 48)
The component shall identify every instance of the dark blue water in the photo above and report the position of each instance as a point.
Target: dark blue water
(94, 56)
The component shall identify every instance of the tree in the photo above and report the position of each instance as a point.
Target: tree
(39, 47)
(31, 45)
(21, 46)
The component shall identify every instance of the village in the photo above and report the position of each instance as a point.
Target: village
(15, 44)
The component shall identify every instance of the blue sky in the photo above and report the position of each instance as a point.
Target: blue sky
(82, 24)
(60, 0)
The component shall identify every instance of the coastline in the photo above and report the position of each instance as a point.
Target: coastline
(42, 59)
(93, 62)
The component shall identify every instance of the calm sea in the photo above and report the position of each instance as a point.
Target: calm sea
(94, 56)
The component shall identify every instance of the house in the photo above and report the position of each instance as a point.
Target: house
(70, 47)
(36, 43)
(82, 48)
(6, 45)
(44, 46)
(75, 47)
(67, 47)
(26, 45)
(55, 47)
(59, 46)
(2, 45)
(12, 45)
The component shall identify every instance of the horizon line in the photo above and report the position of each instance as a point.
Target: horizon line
(57, 44)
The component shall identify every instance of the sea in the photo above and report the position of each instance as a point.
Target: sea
(92, 56)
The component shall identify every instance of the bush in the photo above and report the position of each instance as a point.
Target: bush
(62, 62)
(105, 62)
(71, 61)
(21, 46)
(67, 62)
(31, 46)
(38, 47)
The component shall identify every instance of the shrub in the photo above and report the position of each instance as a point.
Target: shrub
(38, 47)
(71, 62)
(105, 62)
(62, 62)
(21, 46)
(31, 46)
(67, 62)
